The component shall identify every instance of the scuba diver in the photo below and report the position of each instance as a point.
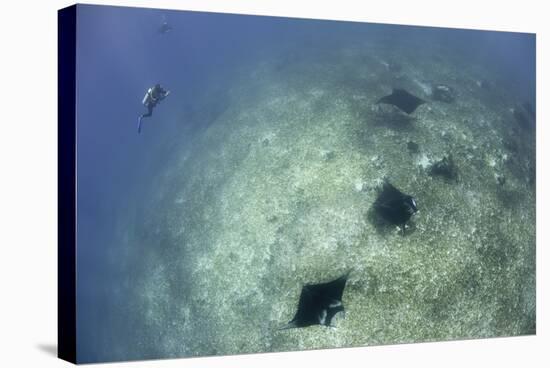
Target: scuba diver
(164, 28)
(153, 96)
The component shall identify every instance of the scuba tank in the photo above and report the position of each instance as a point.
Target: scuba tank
(146, 97)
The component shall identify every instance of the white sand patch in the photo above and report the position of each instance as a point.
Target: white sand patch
(424, 161)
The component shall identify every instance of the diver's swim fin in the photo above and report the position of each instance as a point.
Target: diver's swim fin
(139, 124)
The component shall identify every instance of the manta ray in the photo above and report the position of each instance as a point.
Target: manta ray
(319, 303)
(394, 206)
(403, 100)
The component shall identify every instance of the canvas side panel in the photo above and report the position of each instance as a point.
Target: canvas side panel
(66, 149)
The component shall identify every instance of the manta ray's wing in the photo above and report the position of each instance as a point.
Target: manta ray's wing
(388, 195)
(309, 307)
(333, 290)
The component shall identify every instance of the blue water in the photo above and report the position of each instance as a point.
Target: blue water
(121, 53)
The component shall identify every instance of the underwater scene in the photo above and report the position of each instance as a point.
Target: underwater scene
(253, 184)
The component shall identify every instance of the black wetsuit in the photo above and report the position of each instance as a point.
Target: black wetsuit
(150, 106)
(156, 95)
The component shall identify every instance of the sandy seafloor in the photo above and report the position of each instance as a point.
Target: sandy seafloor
(277, 190)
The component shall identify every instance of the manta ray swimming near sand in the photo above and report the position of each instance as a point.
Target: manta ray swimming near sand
(394, 206)
(319, 303)
(403, 100)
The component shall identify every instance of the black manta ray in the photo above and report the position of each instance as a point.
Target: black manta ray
(403, 100)
(319, 303)
(394, 206)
